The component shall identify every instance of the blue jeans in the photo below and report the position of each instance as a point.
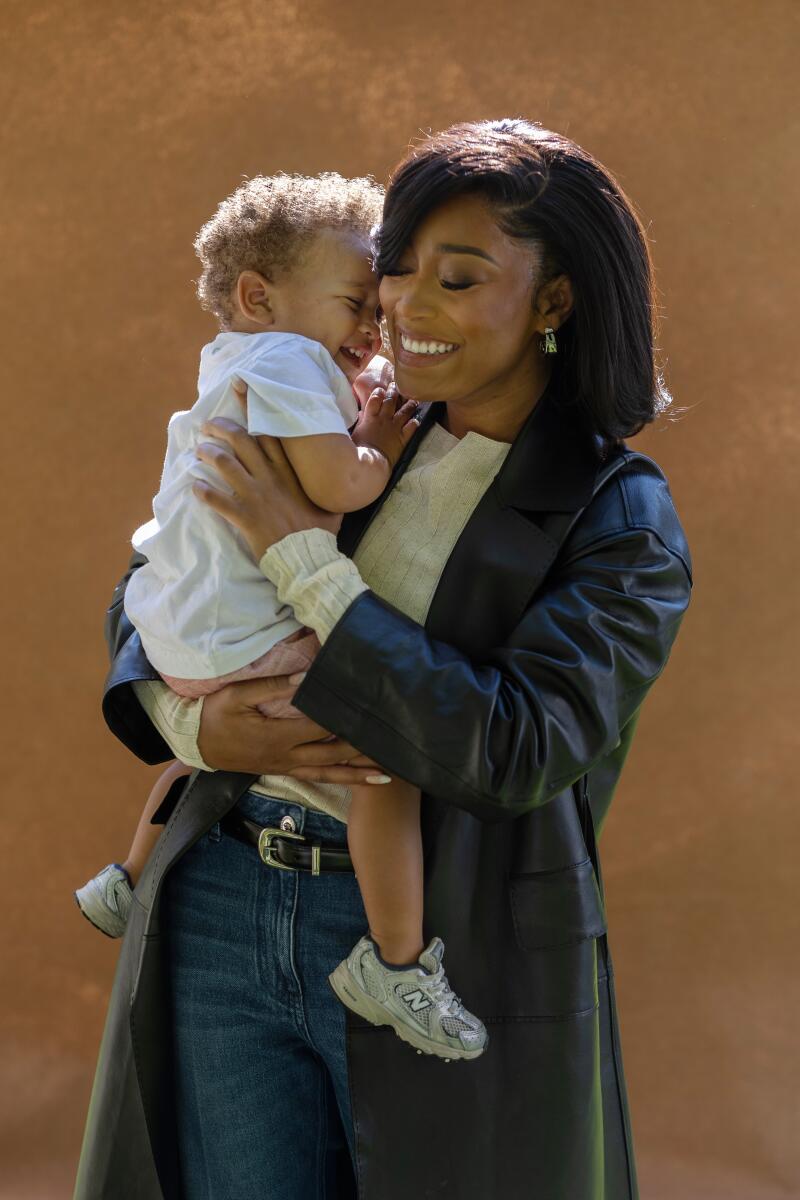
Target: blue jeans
(263, 1107)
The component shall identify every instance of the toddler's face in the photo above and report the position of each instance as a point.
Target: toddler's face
(331, 295)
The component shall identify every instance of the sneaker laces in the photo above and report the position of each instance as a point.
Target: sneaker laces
(441, 991)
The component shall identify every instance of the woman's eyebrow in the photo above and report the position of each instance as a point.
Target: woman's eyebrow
(451, 248)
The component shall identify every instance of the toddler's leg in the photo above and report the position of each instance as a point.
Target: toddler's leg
(106, 898)
(401, 983)
(147, 835)
(383, 835)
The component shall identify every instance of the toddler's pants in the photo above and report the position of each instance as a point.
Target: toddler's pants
(293, 654)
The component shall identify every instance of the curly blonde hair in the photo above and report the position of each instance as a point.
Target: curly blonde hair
(268, 222)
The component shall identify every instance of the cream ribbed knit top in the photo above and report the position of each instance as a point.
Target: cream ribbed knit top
(400, 558)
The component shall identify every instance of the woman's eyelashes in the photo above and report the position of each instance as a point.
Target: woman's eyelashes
(451, 285)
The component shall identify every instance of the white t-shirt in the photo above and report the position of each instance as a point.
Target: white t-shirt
(200, 604)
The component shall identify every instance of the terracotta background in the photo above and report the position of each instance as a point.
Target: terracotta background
(122, 127)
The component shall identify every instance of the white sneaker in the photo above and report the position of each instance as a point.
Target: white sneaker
(417, 1002)
(106, 900)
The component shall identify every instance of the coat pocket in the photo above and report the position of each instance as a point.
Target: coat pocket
(557, 908)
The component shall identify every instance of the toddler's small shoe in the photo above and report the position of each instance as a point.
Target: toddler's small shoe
(417, 1002)
(106, 900)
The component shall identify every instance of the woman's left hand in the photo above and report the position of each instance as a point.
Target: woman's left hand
(267, 501)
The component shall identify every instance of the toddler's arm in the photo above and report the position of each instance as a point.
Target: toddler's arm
(341, 473)
(335, 473)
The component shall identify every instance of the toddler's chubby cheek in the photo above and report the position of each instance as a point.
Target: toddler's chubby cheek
(379, 373)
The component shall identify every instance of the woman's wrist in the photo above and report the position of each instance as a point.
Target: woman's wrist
(176, 719)
(313, 545)
(312, 576)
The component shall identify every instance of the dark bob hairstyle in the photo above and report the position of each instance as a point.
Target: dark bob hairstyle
(546, 191)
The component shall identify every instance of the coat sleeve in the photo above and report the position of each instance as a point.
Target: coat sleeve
(500, 736)
(123, 713)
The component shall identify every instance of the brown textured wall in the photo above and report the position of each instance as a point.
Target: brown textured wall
(122, 126)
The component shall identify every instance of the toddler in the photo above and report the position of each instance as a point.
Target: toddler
(288, 273)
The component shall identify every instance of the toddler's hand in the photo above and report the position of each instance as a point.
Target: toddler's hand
(387, 423)
(379, 373)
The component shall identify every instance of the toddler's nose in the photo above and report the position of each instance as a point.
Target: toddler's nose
(371, 330)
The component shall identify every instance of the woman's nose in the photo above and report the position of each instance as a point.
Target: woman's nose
(414, 301)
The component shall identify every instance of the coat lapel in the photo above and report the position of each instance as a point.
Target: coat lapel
(510, 541)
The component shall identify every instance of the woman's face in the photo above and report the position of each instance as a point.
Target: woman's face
(459, 309)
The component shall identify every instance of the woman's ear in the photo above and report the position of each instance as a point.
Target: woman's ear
(555, 301)
(254, 298)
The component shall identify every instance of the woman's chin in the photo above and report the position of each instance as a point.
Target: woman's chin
(413, 385)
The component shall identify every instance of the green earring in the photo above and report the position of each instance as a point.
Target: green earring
(548, 346)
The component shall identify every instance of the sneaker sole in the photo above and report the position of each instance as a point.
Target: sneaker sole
(362, 1004)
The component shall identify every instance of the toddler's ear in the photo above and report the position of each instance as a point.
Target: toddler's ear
(254, 298)
(378, 373)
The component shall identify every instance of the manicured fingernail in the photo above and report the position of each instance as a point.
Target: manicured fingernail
(379, 779)
(298, 678)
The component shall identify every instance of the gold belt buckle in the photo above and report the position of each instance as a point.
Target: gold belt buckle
(265, 850)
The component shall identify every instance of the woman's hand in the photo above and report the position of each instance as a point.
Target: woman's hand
(235, 736)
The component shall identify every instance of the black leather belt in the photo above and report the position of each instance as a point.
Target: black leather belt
(288, 851)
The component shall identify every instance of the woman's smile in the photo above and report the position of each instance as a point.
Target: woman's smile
(422, 349)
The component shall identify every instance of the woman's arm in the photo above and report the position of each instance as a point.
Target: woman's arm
(176, 719)
(500, 736)
(505, 734)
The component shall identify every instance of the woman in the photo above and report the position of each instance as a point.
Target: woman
(548, 577)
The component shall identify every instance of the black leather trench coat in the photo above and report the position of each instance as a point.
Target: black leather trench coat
(513, 709)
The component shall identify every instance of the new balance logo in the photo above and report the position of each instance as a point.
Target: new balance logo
(416, 1000)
